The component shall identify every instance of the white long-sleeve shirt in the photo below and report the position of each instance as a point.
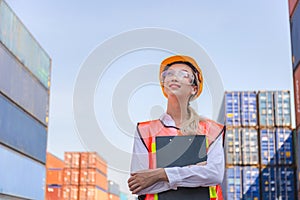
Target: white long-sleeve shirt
(190, 176)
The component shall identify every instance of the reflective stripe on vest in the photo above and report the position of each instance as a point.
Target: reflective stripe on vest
(149, 130)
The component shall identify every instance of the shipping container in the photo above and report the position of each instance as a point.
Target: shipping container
(70, 192)
(54, 176)
(232, 109)
(92, 193)
(268, 183)
(113, 188)
(268, 146)
(92, 176)
(248, 109)
(286, 183)
(297, 95)
(23, 88)
(21, 176)
(123, 196)
(54, 162)
(113, 197)
(284, 146)
(297, 149)
(233, 183)
(71, 176)
(249, 146)
(72, 160)
(266, 109)
(53, 192)
(233, 141)
(15, 36)
(21, 132)
(282, 109)
(295, 36)
(251, 183)
(292, 5)
(93, 160)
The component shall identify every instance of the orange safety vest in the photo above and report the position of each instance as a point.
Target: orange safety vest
(150, 129)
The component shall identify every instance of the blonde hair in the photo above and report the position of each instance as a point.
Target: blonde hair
(191, 126)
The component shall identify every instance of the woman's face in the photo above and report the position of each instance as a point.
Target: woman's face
(178, 80)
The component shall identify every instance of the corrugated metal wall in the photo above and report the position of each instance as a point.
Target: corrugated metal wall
(24, 101)
(259, 147)
(294, 11)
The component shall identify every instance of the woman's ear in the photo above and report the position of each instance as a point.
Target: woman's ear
(194, 91)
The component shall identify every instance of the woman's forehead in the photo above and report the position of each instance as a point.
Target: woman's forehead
(181, 66)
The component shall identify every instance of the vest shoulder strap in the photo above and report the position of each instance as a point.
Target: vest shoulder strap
(146, 131)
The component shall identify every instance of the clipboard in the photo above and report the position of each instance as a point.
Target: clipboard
(179, 151)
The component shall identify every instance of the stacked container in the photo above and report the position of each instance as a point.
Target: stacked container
(93, 177)
(241, 146)
(113, 191)
(295, 40)
(71, 176)
(259, 146)
(123, 196)
(85, 176)
(276, 145)
(54, 177)
(24, 100)
(81, 176)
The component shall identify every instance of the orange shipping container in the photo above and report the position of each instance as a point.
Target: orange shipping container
(70, 176)
(53, 161)
(113, 197)
(70, 192)
(93, 177)
(54, 176)
(72, 160)
(53, 192)
(93, 160)
(292, 6)
(92, 193)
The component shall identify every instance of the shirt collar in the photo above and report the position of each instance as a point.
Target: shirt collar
(167, 120)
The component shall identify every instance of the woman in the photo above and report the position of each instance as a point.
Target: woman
(181, 81)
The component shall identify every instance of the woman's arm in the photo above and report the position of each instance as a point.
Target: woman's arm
(144, 180)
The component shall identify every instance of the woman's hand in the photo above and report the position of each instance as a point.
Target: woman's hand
(145, 178)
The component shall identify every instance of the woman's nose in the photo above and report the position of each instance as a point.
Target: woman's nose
(174, 77)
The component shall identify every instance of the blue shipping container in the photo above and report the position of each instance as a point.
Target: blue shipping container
(284, 146)
(295, 36)
(15, 36)
(21, 176)
(233, 141)
(123, 196)
(269, 183)
(232, 109)
(248, 109)
(250, 146)
(113, 188)
(251, 183)
(266, 109)
(282, 108)
(233, 177)
(286, 184)
(267, 146)
(24, 89)
(21, 132)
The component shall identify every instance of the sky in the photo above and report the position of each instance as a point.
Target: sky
(245, 46)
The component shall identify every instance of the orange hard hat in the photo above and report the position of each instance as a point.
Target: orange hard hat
(181, 58)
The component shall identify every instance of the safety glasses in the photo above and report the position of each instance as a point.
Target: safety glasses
(181, 75)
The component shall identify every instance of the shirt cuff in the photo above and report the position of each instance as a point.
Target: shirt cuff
(173, 177)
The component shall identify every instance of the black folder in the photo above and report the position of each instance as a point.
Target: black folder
(179, 151)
